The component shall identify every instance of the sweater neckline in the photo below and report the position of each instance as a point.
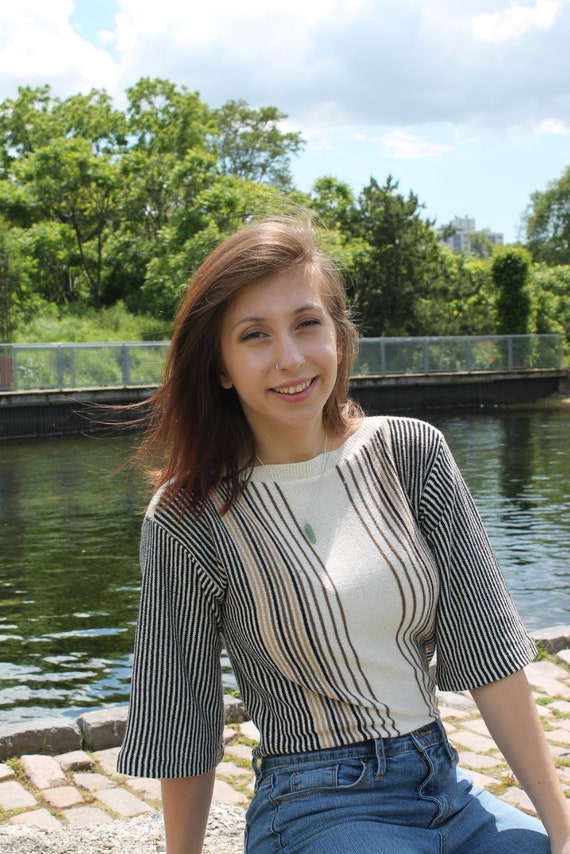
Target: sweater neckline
(313, 468)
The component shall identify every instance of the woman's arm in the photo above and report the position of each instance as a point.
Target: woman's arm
(509, 710)
(186, 803)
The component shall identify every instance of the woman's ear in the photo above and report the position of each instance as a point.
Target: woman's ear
(225, 381)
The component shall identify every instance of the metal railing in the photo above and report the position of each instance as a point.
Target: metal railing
(36, 367)
(458, 354)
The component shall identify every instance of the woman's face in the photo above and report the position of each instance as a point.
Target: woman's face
(279, 352)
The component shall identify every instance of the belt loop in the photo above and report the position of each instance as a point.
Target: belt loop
(380, 758)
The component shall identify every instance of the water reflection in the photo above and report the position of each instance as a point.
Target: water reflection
(69, 529)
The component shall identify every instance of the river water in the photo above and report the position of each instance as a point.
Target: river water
(69, 530)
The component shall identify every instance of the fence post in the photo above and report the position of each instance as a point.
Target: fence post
(509, 353)
(426, 356)
(382, 357)
(72, 350)
(59, 364)
(468, 356)
(126, 364)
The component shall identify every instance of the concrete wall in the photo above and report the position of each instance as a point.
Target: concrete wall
(47, 413)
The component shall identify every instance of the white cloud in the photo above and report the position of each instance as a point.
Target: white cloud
(327, 64)
(408, 146)
(38, 45)
(515, 21)
(552, 126)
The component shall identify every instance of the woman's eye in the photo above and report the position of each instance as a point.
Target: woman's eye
(309, 322)
(251, 336)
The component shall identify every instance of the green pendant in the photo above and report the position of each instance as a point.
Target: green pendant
(309, 533)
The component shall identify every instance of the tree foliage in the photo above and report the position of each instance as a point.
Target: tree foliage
(547, 223)
(103, 207)
(510, 269)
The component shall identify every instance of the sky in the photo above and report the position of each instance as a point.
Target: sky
(467, 105)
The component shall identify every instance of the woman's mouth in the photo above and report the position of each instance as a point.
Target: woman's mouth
(293, 389)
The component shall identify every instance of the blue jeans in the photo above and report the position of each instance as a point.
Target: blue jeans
(385, 796)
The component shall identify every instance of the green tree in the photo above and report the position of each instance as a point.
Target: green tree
(510, 269)
(68, 184)
(250, 144)
(403, 261)
(460, 300)
(546, 222)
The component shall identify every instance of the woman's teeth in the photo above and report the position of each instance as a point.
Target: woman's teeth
(294, 389)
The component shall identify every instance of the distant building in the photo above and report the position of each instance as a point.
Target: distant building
(456, 235)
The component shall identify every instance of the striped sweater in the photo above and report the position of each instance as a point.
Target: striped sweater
(330, 641)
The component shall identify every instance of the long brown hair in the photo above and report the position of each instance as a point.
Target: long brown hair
(197, 426)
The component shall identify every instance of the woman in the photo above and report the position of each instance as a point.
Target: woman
(334, 554)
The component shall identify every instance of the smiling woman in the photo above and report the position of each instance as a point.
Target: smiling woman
(279, 353)
(334, 554)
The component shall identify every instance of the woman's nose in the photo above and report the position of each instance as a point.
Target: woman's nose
(288, 356)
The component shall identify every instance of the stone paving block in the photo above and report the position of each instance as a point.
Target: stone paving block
(548, 678)
(477, 725)
(226, 794)
(459, 702)
(230, 769)
(229, 734)
(6, 772)
(75, 760)
(483, 780)
(43, 771)
(562, 707)
(448, 714)
(93, 782)
(559, 736)
(62, 797)
(242, 751)
(123, 803)
(249, 730)
(107, 759)
(473, 741)
(148, 788)
(86, 816)
(561, 723)
(104, 728)
(553, 637)
(44, 735)
(478, 760)
(515, 796)
(563, 655)
(36, 818)
(13, 796)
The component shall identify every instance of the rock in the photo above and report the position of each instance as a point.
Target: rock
(41, 735)
(552, 638)
(103, 729)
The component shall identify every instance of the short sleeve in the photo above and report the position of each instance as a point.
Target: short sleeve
(175, 720)
(480, 636)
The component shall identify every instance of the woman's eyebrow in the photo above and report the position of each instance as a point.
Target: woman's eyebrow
(258, 318)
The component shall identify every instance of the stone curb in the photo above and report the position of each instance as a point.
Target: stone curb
(91, 731)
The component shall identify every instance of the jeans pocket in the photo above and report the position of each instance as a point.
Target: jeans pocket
(301, 782)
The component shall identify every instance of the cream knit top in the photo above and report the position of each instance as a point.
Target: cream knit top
(330, 641)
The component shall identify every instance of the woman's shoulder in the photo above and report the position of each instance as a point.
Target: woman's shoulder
(398, 431)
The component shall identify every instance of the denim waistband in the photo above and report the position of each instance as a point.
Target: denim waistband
(426, 736)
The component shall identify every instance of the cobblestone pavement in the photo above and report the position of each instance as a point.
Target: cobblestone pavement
(83, 789)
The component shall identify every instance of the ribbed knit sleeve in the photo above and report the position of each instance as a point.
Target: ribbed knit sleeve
(175, 721)
(479, 635)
